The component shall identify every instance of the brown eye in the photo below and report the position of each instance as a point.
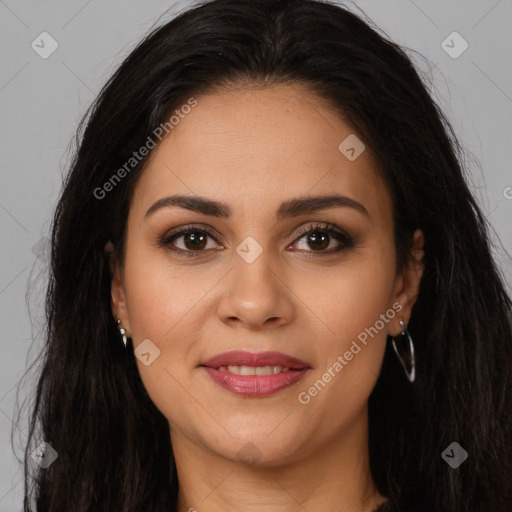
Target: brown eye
(320, 238)
(194, 240)
(188, 241)
(323, 240)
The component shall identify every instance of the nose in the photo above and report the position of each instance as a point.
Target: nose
(256, 295)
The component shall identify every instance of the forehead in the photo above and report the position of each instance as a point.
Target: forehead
(258, 147)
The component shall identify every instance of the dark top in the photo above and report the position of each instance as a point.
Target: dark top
(387, 507)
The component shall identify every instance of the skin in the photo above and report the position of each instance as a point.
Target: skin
(253, 149)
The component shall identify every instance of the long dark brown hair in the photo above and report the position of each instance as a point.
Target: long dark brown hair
(113, 445)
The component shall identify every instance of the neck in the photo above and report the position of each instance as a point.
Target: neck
(334, 476)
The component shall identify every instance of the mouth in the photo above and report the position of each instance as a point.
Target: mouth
(254, 374)
(253, 370)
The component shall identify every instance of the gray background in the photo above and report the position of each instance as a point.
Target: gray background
(42, 101)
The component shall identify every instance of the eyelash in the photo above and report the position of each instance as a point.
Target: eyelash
(330, 229)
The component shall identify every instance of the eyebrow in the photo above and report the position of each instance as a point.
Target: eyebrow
(290, 208)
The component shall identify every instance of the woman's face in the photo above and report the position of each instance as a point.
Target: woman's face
(255, 281)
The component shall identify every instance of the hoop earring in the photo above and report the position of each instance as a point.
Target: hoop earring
(406, 352)
(122, 331)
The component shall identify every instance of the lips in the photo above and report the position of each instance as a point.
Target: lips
(255, 359)
(254, 375)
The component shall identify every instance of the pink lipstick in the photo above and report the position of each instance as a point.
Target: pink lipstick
(254, 374)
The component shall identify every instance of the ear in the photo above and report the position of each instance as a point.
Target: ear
(407, 285)
(117, 290)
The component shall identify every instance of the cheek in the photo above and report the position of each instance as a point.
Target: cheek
(353, 345)
(351, 296)
(363, 297)
(355, 309)
(158, 312)
(169, 306)
(159, 295)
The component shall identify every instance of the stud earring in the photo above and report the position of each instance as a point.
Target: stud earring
(405, 352)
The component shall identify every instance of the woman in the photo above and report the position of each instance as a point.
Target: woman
(271, 287)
